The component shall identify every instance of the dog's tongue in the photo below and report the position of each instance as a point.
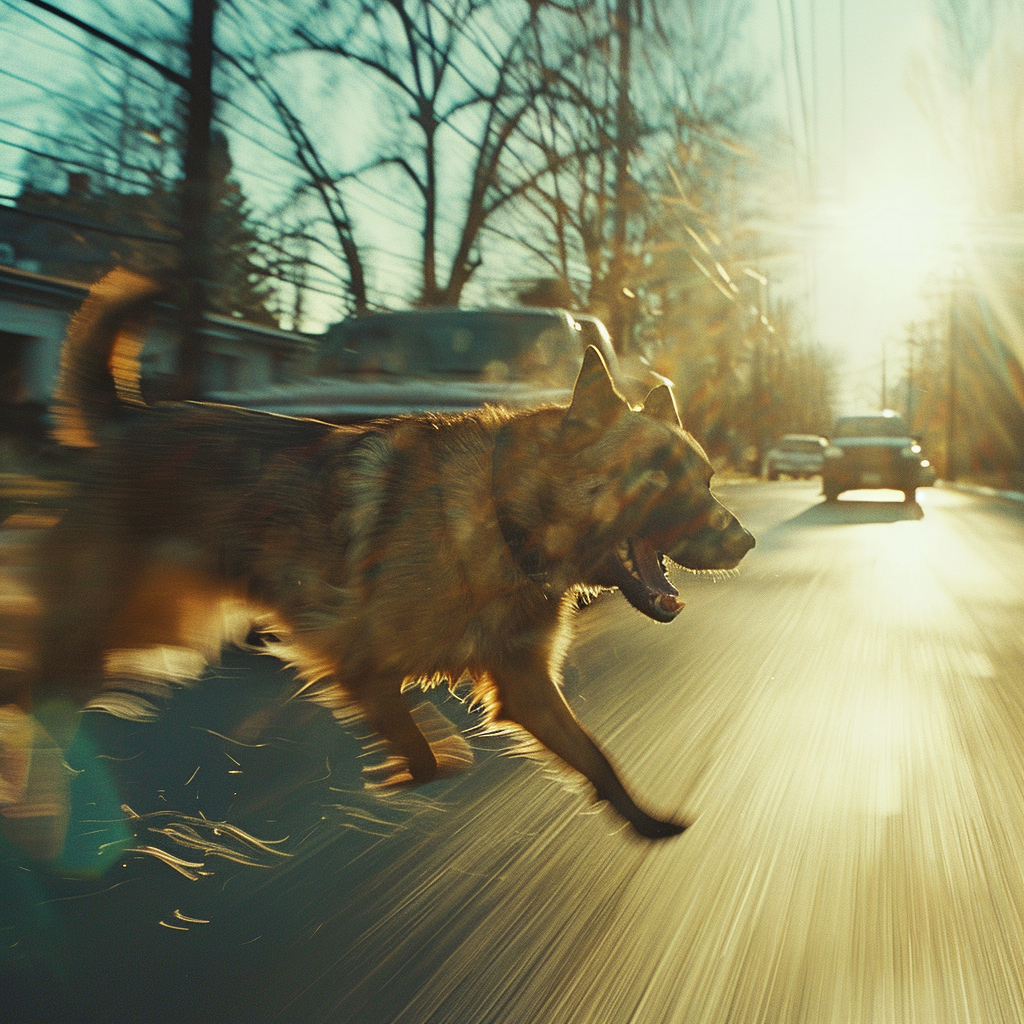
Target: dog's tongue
(645, 558)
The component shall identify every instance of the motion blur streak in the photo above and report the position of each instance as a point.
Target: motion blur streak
(844, 720)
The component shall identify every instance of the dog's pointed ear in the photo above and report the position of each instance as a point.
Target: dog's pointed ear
(594, 398)
(660, 405)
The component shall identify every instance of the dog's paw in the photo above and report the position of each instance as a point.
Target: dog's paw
(16, 731)
(391, 774)
(452, 754)
(652, 828)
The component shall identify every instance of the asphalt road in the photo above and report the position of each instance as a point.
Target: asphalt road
(843, 720)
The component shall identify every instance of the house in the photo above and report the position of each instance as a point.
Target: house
(34, 315)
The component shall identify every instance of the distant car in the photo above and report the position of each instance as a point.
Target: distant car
(875, 450)
(797, 455)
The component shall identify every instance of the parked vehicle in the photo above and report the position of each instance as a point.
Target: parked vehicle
(798, 455)
(876, 450)
(445, 360)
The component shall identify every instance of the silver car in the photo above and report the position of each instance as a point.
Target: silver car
(798, 455)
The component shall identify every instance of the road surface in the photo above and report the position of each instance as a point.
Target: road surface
(843, 720)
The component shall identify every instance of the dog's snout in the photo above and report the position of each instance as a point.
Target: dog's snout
(738, 542)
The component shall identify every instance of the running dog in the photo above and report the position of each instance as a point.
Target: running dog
(405, 551)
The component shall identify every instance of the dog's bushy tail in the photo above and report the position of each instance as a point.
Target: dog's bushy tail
(99, 369)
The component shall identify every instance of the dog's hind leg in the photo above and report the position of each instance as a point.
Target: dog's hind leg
(531, 699)
(82, 590)
(411, 760)
(423, 745)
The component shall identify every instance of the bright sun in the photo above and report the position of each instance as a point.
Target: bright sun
(880, 260)
(902, 233)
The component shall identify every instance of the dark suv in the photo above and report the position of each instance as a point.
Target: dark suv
(445, 360)
(874, 451)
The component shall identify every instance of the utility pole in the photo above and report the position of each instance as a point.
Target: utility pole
(763, 425)
(885, 385)
(951, 387)
(624, 142)
(911, 343)
(195, 262)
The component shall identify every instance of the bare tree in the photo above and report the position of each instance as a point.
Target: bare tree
(974, 95)
(626, 151)
(459, 71)
(316, 179)
(114, 158)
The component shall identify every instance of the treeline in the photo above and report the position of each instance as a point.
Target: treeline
(607, 158)
(961, 378)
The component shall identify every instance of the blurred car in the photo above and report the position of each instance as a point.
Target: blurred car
(798, 455)
(874, 450)
(445, 360)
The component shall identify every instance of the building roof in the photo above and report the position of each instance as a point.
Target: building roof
(53, 293)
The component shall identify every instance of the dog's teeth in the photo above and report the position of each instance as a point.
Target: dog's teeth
(625, 557)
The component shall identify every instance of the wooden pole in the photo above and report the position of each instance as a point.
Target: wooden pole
(195, 261)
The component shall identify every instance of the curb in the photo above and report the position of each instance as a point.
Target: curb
(988, 492)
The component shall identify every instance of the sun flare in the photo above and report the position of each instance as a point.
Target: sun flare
(903, 231)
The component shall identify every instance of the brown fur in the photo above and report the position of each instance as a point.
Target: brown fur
(409, 549)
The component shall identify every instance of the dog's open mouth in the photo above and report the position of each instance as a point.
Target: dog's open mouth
(640, 575)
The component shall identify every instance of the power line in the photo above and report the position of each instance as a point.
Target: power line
(256, 142)
(141, 170)
(227, 101)
(69, 142)
(76, 43)
(801, 87)
(62, 51)
(305, 286)
(83, 164)
(169, 73)
(842, 96)
(418, 210)
(815, 98)
(450, 64)
(249, 172)
(268, 12)
(94, 155)
(115, 121)
(789, 97)
(49, 92)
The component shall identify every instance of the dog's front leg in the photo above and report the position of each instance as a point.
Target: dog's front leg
(532, 700)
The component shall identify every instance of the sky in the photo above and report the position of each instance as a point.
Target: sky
(874, 231)
(875, 250)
